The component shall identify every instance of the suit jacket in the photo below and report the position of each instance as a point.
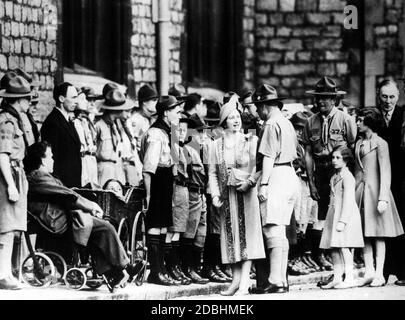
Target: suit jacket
(55, 205)
(66, 145)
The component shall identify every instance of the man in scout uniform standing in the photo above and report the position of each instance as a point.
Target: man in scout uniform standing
(158, 175)
(142, 119)
(323, 132)
(13, 183)
(108, 137)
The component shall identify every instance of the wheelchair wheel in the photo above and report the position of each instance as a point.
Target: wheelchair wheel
(38, 270)
(59, 263)
(75, 279)
(123, 234)
(93, 281)
(138, 239)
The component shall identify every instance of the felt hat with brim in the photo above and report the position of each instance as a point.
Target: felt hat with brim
(213, 111)
(166, 103)
(5, 79)
(265, 93)
(17, 87)
(20, 72)
(115, 100)
(299, 119)
(326, 87)
(146, 92)
(197, 123)
(190, 122)
(91, 94)
(178, 91)
(109, 87)
(246, 98)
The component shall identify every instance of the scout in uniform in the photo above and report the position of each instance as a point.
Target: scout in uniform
(142, 119)
(324, 131)
(87, 135)
(108, 137)
(158, 175)
(13, 182)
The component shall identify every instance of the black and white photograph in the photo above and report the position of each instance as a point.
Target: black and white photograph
(204, 154)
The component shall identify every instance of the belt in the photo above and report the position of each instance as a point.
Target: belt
(16, 163)
(180, 183)
(199, 190)
(131, 162)
(287, 164)
(113, 161)
(87, 153)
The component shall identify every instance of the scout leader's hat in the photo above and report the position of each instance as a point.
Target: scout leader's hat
(178, 91)
(197, 123)
(17, 87)
(265, 93)
(109, 87)
(6, 79)
(115, 100)
(146, 92)
(299, 119)
(326, 87)
(189, 121)
(166, 103)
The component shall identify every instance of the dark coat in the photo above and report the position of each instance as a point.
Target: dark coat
(66, 145)
(52, 202)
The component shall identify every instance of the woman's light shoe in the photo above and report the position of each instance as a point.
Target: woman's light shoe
(378, 282)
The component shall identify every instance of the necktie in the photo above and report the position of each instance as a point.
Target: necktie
(325, 130)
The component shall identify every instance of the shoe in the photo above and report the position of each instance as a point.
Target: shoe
(345, 285)
(323, 263)
(174, 281)
(307, 259)
(172, 272)
(213, 277)
(229, 292)
(294, 269)
(303, 266)
(116, 278)
(219, 272)
(134, 269)
(326, 281)
(181, 273)
(330, 285)
(272, 288)
(365, 281)
(160, 279)
(378, 282)
(195, 277)
(400, 282)
(258, 290)
(242, 292)
(10, 284)
(227, 271)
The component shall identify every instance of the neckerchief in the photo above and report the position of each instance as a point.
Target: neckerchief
(160, 124)
(9, 109)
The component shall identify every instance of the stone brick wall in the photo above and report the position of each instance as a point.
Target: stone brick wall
(177, 17)
(28, 41)
(249, 23)
(385, 43)
(297, 42)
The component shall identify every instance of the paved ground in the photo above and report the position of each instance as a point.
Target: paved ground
(302, 287)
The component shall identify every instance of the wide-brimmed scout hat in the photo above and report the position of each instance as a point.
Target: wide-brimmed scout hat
(146, 92)
(265, 93)
(178, 91)
(17, 87)
(91, 94)
(166, 103)
(197, 123)
(299, 119)
(213, 111)
(115, 100)
(109, 86)
(188, 120)
(326, 87)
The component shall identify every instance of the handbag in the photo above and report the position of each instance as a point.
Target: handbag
(236, 176)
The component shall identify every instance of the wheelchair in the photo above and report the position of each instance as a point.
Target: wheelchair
(127, 215)
(42, 268)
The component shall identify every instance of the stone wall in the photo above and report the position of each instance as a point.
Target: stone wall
(177, 17)
(249, 43)
(297, 42)
(28, 41)
(385, 43)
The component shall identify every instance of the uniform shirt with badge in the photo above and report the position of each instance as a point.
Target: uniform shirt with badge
(341, 130)
(108, 141)
(11, 137)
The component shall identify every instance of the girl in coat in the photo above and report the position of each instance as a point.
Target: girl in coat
(342, 229)
(377, 207)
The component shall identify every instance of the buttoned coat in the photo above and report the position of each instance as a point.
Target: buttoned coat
(373, 181)
(66, 146)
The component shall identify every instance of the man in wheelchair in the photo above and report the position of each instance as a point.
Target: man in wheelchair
(56, 206)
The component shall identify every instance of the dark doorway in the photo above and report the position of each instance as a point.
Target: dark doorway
(213, 53)
(96, 37)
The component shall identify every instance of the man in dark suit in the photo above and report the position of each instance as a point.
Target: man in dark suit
(393, 115)
(59, 131)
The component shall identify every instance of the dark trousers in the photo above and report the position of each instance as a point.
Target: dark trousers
(323, 172)
(105, 247)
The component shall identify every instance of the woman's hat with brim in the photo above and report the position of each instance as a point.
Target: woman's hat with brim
(326, 87)
(17, 87)
(213, 111)
(198, 124)
(190, 122)
(299, 119)
(228, 108)
(265, 93)
(246, 98)
(146, 92)
(166, 103)
(115, 101)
